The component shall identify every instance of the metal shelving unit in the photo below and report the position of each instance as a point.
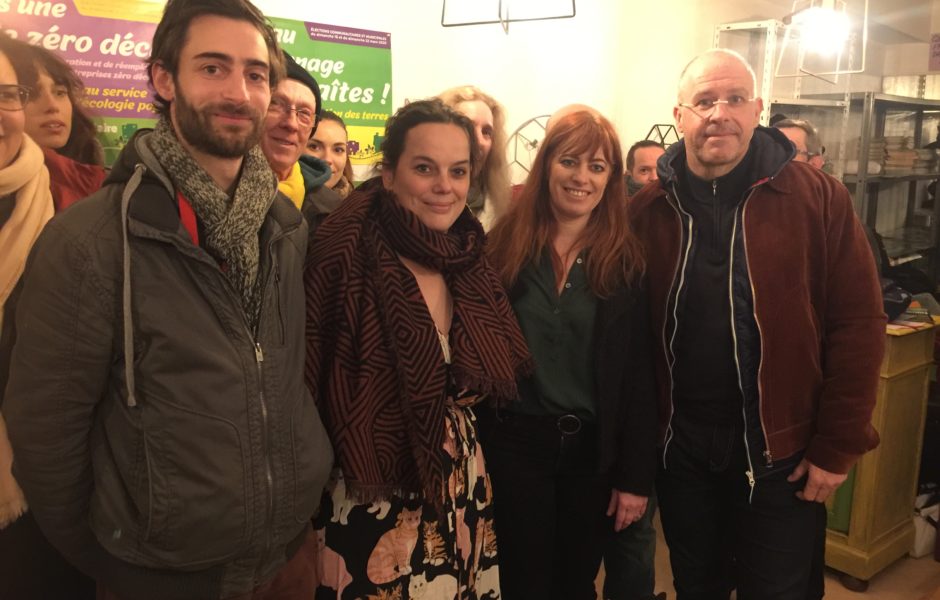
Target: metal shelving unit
(895, 205)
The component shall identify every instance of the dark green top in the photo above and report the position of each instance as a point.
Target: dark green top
(560, 333)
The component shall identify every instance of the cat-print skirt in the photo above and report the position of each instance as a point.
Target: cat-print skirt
(401, 548)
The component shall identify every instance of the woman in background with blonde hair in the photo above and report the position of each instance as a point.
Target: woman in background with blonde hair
(490, 190)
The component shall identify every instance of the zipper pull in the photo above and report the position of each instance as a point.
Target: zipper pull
(714, 187)
(259, 355)
(752, 483)
(769, 458)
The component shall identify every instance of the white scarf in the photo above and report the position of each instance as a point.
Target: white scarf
(28, 178)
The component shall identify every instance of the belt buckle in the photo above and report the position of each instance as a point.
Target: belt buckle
(568, 424)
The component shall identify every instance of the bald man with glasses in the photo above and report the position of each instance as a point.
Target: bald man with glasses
(769, 332)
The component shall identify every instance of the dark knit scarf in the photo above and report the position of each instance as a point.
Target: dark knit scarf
(374, 358)
(231, 224)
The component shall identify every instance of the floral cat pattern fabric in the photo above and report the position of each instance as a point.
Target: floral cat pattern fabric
(405, 548)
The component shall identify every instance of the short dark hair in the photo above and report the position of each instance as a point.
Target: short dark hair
(813, 144)
(417, 113)
(173, 30)
(631, 159)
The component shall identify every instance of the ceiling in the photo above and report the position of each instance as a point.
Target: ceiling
(890, 21)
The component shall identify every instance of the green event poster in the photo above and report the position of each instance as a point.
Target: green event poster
(354, 70)
(106, 43)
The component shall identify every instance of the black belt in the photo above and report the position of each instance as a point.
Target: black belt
(566, 424)
(569, 424)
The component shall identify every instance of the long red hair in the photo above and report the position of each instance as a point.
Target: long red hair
(613, 253)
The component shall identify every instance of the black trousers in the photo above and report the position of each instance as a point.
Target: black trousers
(551, 526)
(31, 569)
(718, 537)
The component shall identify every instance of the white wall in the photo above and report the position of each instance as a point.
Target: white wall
(621, 57)
(622, 62)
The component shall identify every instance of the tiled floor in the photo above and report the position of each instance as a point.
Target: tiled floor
(907, 579)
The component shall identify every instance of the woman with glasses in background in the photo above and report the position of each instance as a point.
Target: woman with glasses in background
(30, 567)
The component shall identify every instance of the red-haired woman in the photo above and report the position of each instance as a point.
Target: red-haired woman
(574, 460)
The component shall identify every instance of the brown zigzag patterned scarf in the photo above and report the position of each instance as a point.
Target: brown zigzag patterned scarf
(374, 361)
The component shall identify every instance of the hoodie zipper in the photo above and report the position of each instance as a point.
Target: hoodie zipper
(678, 281)
(768, 455)
(751, 481)
(268, 470)
(277, 301)
(262, 401)
(749, 473)
(716, 217)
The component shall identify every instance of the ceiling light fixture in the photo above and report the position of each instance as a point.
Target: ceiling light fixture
(824, 37)
(458, 13)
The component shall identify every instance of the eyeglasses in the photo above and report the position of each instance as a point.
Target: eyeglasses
(807, 154)
(13, 97)
(305, 116)
(705, 107)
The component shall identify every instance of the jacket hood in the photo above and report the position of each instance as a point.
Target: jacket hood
(123, 167)
(135, 152)
(314, 170)
(772, 150)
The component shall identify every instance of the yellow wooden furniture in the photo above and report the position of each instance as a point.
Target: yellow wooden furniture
(881, 527)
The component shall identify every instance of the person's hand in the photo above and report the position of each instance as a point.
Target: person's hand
(12, 502)
(820, 483)
(626, 508)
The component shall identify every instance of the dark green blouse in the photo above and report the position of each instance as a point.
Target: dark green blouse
(559, 330)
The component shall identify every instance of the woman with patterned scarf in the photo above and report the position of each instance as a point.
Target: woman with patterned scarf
(408, 328)
(30, 568)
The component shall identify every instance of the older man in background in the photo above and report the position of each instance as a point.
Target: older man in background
(291, 119)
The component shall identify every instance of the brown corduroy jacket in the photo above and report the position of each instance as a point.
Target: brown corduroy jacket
(810, 366)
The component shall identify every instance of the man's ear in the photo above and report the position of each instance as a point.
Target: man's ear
(163, 82)
(677, 115)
